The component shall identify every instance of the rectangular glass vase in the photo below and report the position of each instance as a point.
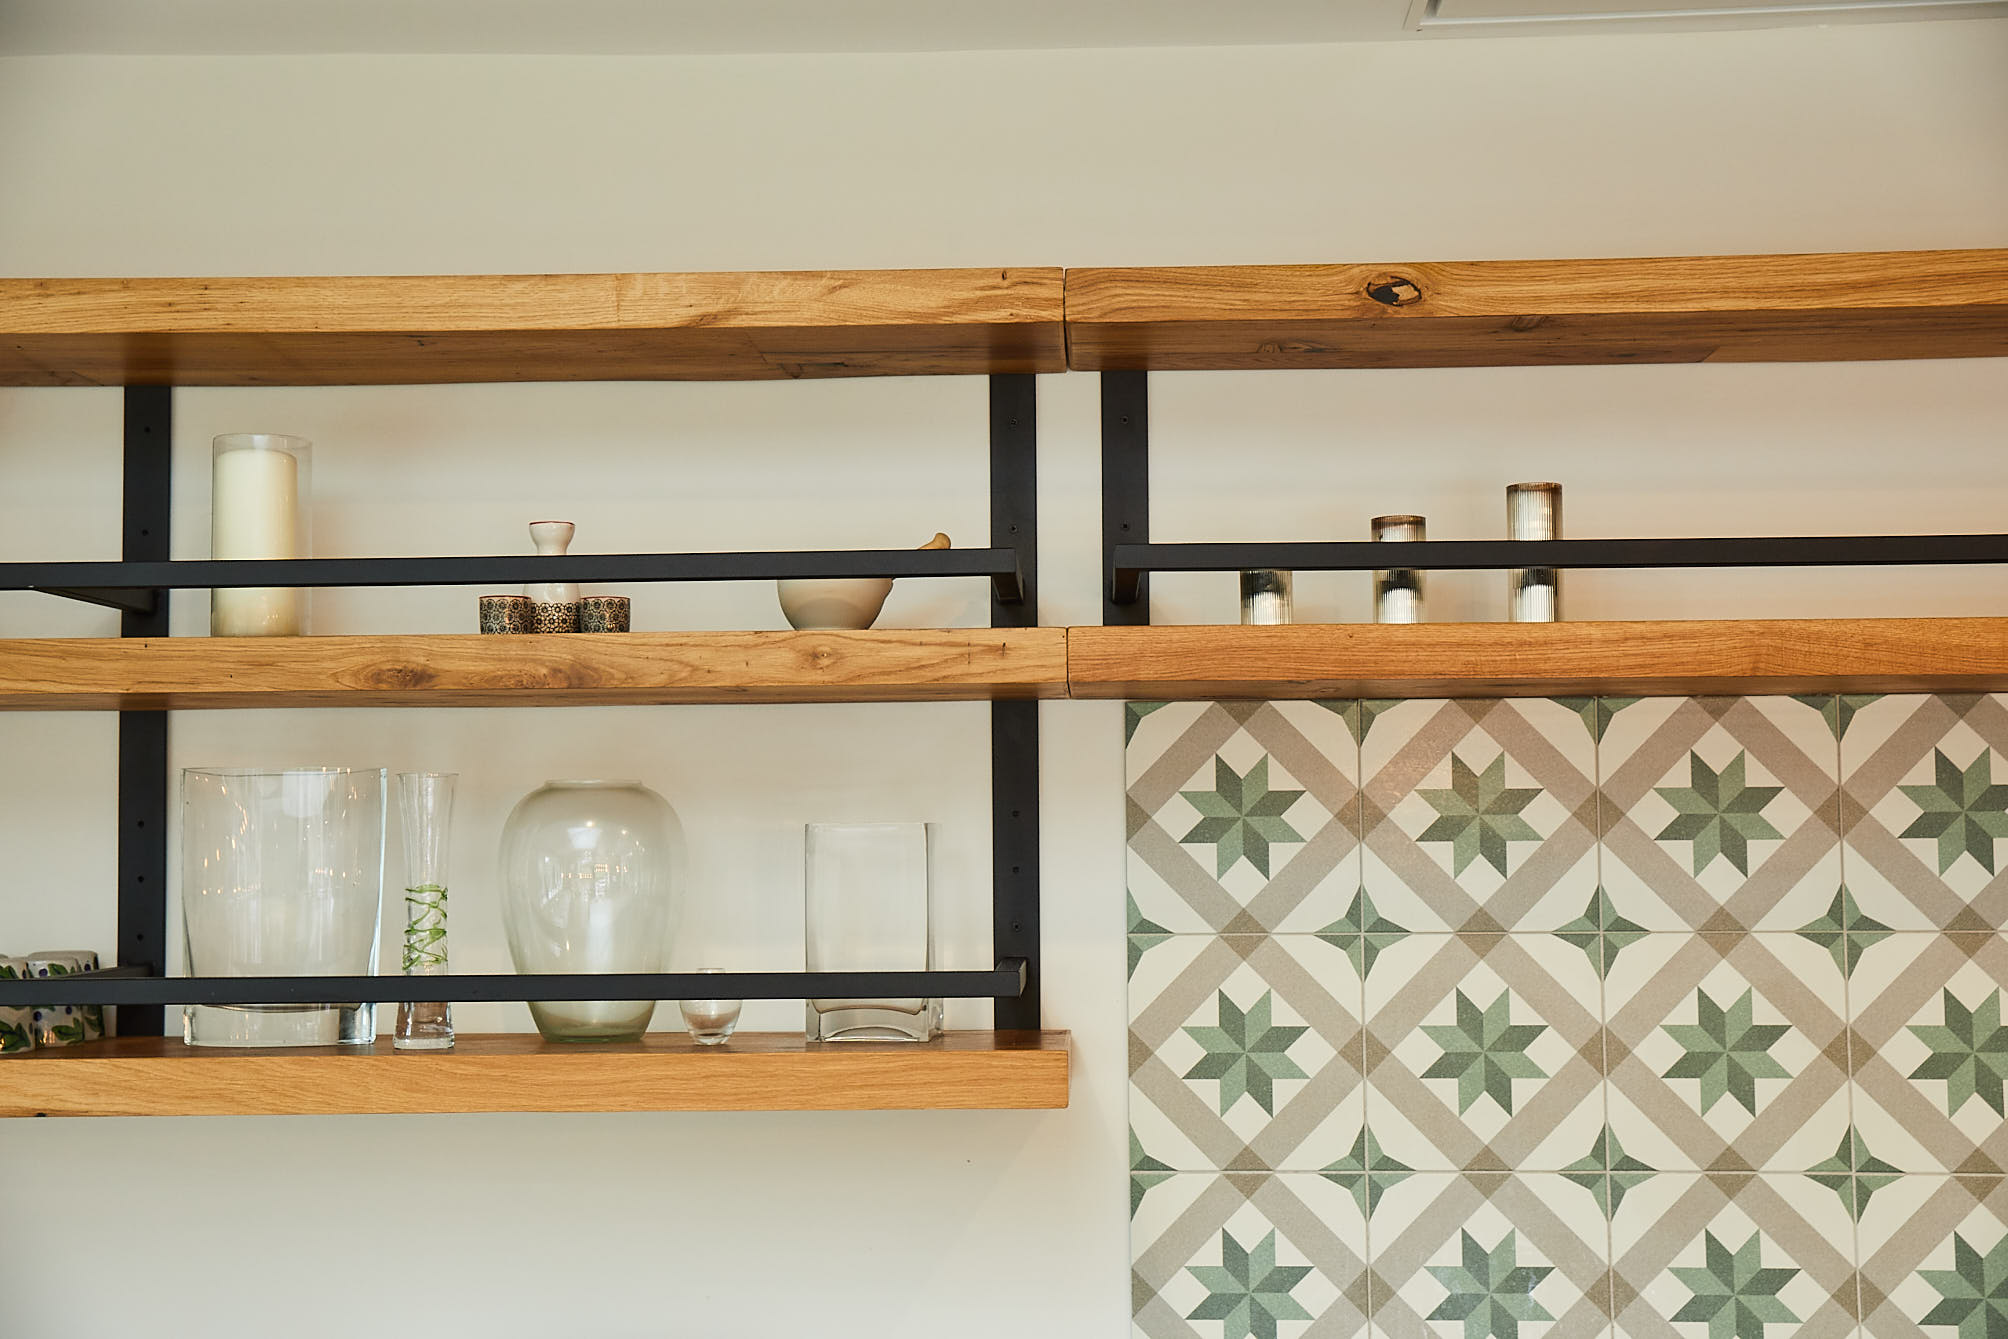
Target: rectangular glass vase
(868, 903)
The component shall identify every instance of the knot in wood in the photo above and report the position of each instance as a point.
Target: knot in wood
(1394, 290)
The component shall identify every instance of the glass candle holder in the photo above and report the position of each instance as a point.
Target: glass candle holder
(1398, 590)
(867, 900)
(258, 490)
(710, 1022)
(281, 875)
(1533, 511)
(425, 806)
(1265, 597)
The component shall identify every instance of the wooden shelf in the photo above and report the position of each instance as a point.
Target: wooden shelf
(1899, 304)
(572, 669)
(547, 327)
(1902, 655)
(761, 1071)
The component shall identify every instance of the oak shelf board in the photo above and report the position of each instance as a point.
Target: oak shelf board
(760, 1071)
(1900, 655)
(421, 329)
(563, 669)
(1691, 309)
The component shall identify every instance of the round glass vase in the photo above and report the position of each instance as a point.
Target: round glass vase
(281, 875)
(259, 487)
(588, 885)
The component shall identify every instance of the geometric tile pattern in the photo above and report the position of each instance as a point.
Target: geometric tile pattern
(1678, 1018)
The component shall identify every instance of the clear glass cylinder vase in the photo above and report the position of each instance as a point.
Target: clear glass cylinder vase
(425, 811)
(588, 885)
(868, 905)
(259, 486)
(281, 875)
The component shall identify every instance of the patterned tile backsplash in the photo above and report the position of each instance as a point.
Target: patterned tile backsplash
(1666, 1018)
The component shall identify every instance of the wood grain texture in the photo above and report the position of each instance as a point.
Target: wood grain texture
(159, 1076)
(571, 669)
(557, 327)
(1791, 308)
(1906, 655)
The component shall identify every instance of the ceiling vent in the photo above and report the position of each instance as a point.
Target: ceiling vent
(1530, 16)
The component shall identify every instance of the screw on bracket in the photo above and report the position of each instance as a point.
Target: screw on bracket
(1394, 290)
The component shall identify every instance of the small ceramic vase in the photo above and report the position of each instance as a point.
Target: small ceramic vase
(552, 538)
(603, 613)
(506, 613)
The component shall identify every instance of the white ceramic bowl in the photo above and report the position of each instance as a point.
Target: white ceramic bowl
(822, 603)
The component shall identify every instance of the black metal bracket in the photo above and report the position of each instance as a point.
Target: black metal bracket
(1129, 562)
(1005, 981)
(123, 585)
(1125, 492)
(1014, 726)
(142, 837)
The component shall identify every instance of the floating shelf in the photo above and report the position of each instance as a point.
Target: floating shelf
(1540, 659)
(547, 327)
(571, 669)
(762, 1071)
(1792, 308)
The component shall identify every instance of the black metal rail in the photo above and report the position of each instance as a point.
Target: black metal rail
(1006, 981)
(131, 586)
(1131, 561)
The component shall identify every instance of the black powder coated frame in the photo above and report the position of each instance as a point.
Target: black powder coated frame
(1131, 557)
(138, 586)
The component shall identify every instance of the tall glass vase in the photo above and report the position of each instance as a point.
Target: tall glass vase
(588, 885)
(281, 875)
(425, 804)
(867, 896)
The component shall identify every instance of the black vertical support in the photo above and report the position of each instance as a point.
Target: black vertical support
(1125, 486)
(142, 927)
(1014, 726)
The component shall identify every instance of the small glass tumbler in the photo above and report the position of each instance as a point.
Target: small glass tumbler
(425, 803)
(1398, 590)
(710, 1021)
(1265, 597)
(867, 902)
(1533, 511)
(258, 491)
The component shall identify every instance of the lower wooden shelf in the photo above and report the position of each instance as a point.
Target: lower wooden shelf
(759, 1071)
(572, 669)
(1864, 655)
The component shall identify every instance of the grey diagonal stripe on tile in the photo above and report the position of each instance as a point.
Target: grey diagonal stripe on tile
(1576, 1022)
(1633, 778)
(1655, 866)
(1814, 1018)
(1183, 873)
(1321, 776)
(1337, 1024)
(1916, 1105)
(1165, 1258)
(1183, 758)
(1810, 1247)
(1927, 1227)
(1701, 1198)
(1193, 1116)
(1667, 991)
(1415, 868)
(1577, 1246)
(1342, 1262)
(1868, 779)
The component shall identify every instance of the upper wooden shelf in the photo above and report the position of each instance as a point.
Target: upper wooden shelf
(1794, 308)
(547, 327)
(761, 1071)
(571, 669)
(1541, 659)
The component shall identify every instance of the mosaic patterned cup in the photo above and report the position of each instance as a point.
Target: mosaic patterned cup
(603, 613)
(554, 617)
(17, 1024)
(506, 614)
(65, 1025)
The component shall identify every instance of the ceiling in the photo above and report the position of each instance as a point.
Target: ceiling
(559, 27)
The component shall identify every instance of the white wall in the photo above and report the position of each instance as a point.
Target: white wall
(902, 1224)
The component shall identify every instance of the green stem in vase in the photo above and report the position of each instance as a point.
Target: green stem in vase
(425, 927)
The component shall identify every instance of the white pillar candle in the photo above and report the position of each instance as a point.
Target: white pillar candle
(254, 513)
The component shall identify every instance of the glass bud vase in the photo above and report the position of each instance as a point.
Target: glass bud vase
(259, 486)
(867, 895)
(425, 804)
(588, 875)
(281, 875)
